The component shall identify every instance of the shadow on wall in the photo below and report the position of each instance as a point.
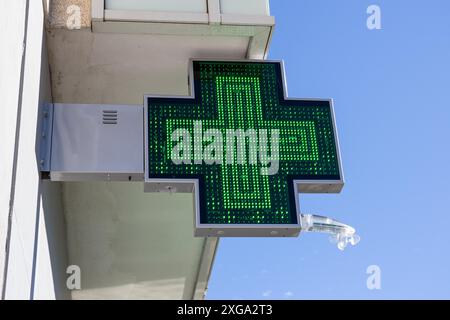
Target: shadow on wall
(55, 229)
(50, 208)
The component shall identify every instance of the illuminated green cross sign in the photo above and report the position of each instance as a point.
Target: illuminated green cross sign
(242, 147)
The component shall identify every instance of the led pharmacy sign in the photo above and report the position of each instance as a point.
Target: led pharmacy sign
(242, 148)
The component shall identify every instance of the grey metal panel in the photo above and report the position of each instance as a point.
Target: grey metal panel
(97, 142)
(46, 127)
(276, 231)
(95, 176)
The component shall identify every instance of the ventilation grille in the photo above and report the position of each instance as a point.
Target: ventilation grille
(109, 116)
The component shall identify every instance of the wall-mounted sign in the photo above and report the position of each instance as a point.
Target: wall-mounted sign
(242, 148)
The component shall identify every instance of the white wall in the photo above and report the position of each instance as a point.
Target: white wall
(12, 14)
(33, 266)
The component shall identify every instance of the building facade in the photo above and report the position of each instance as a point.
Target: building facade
(103, 239)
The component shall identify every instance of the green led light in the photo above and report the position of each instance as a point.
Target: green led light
(246, 96)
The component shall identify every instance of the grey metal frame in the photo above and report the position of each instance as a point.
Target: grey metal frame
(46, 130)
(191, 185)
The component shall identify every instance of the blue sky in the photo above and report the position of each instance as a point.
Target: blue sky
(390, 89)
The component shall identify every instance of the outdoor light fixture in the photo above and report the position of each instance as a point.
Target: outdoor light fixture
(341, 234)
